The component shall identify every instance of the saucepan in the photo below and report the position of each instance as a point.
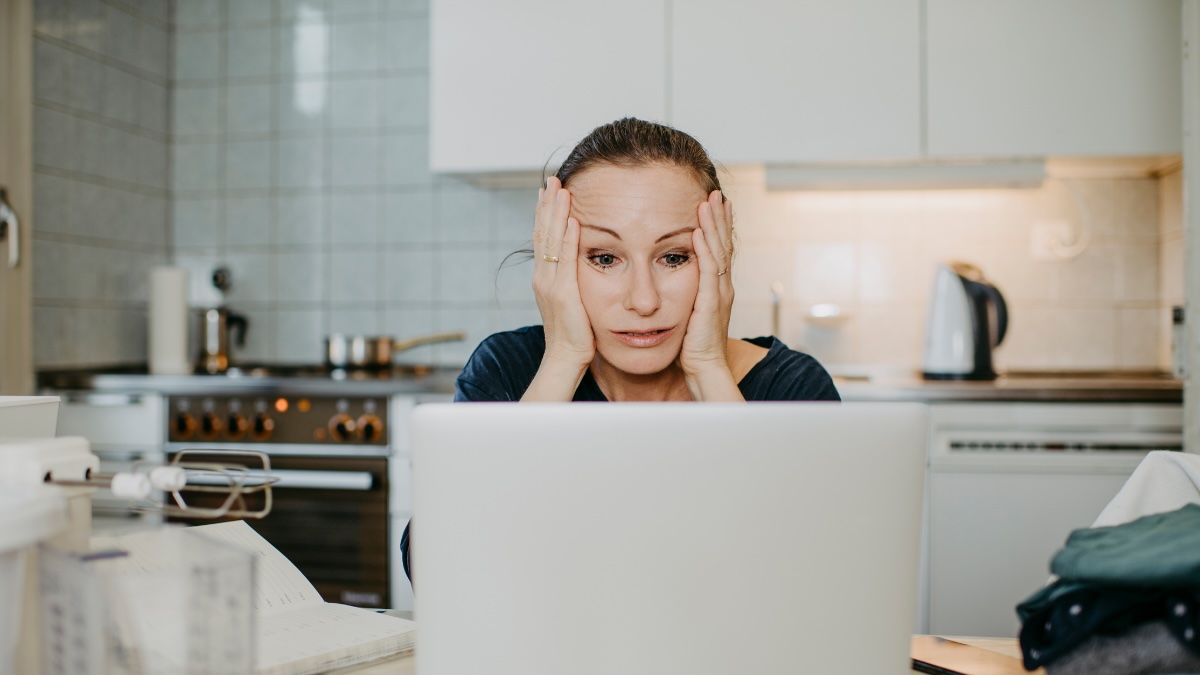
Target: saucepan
(375, 351)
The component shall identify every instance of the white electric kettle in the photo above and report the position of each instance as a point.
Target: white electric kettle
(967, 319)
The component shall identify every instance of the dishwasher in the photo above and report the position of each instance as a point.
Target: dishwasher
(1007, 484)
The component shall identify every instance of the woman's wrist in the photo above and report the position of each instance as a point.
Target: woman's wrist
(713, 383)
(557, 379)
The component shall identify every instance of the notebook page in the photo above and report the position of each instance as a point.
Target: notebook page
(324, 637)
(278, 585)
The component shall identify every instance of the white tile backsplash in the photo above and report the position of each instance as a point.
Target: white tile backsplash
(354, 218)
(355, 46)
(247, 164)
(248, 52)
(354, 161)
(408, 275)
(101, 173)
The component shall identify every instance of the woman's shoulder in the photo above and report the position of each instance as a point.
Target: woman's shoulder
(785, 374)
(503, 365)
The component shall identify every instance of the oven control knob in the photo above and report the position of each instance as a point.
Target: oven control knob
(370, 428)
(183, 427)
(236, 426)
(263, 427)
(210, 426)
(341, 427)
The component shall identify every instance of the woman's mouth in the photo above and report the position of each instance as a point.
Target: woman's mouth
(650, 338)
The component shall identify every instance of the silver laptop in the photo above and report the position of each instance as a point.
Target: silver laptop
(666, 538)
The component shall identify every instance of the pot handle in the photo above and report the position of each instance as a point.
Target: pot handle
(404, 345)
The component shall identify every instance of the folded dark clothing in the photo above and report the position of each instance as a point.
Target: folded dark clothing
(1151, 647)
(1061, 617)
(1157, 551)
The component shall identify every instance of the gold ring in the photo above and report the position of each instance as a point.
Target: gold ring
(550, 258)
(722, 272)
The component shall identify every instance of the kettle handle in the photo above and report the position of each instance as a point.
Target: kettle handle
(239, 323)
(1001, 312)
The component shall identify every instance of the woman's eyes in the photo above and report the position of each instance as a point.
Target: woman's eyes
(603, 259)
(607, 260)
(675, 259)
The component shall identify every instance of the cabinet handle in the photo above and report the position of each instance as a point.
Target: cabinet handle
(10, 227)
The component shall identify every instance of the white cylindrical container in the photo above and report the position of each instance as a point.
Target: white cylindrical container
(169, 321)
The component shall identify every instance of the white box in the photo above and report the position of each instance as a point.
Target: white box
(28, 416)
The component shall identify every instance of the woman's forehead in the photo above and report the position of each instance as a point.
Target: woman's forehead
(612, 196)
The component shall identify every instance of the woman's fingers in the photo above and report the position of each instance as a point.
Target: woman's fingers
(556, 226)
(712, 236)
(708, 270)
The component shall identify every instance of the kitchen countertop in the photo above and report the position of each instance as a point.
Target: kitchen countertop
(398, 380)
(1038, 386)
(1113, 386)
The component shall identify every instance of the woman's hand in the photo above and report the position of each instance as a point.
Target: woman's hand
(704, 357)
(570, 342)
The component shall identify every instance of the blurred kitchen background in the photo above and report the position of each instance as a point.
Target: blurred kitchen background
(289, 140)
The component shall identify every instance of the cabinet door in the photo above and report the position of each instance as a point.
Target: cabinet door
(512, 83)
(800, 81)
(1069, 77)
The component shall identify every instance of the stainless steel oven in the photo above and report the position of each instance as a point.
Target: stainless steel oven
(330, 512)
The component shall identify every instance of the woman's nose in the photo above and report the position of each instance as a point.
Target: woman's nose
(642, 295)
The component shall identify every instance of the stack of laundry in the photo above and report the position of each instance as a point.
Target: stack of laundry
(1127, 600)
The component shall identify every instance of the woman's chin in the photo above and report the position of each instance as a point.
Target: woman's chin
(640, 361)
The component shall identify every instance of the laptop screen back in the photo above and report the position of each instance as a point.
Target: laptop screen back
(666, 538)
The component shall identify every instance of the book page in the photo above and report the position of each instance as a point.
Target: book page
(278, 585)
(324, 637)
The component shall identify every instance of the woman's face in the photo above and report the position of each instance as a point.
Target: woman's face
(638, 273)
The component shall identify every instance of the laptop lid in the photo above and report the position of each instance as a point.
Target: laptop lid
(666, 538)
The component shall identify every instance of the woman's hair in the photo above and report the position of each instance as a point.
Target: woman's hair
(632, 142)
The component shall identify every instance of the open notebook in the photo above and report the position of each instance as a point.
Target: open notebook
(298, 632)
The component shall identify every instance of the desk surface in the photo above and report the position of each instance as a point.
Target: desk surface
(406, 664)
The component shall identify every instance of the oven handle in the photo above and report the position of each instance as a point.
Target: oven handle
(310, 480)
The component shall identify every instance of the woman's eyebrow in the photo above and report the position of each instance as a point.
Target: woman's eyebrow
(682, 230)
(602, 229)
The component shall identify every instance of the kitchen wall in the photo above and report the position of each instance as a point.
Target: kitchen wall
(297, 131)
(300, 135)
(873, 254)
(100, 176)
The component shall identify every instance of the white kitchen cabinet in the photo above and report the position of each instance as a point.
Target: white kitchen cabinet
(1070, 77)
(512, 83)
(804, 81)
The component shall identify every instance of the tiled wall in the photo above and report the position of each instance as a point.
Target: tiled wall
(873, 254)
(300, 136)
(100, 176)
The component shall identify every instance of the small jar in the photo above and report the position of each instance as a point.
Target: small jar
(1178, 343)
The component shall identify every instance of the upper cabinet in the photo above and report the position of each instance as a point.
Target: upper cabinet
(514, 82)
(800, 81)
(1069, 77)
(807, 81)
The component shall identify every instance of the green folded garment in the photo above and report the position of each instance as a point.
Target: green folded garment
(1161, 550)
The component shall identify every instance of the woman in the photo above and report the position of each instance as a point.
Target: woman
(633, 242)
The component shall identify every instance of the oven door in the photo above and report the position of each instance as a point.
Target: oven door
(330, 518)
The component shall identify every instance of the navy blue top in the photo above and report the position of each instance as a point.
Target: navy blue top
(504, 364)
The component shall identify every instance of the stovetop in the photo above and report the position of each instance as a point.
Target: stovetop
(258, 378)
